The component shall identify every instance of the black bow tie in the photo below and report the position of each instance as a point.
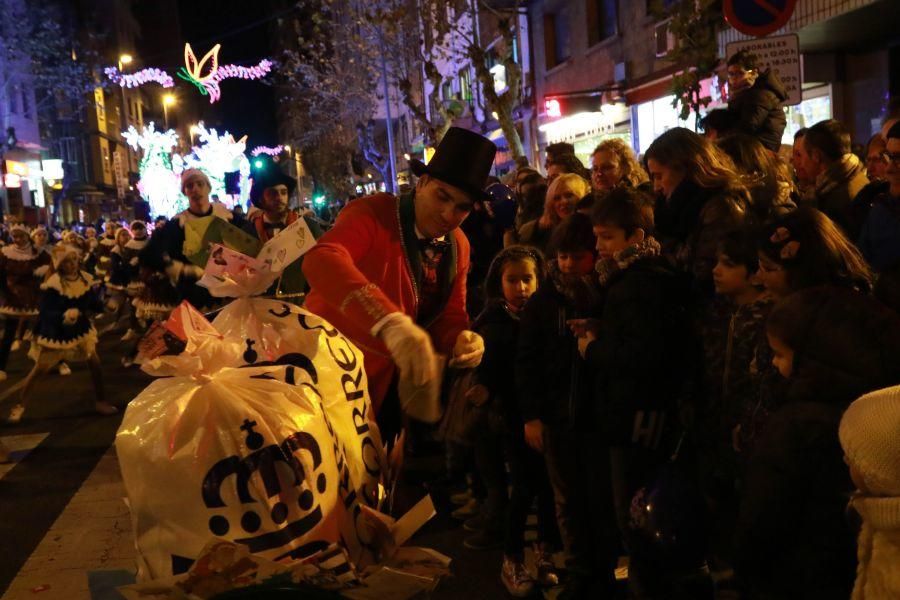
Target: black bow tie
(435, 246)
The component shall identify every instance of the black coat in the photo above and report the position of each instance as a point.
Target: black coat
(757, 111)
(551, 381)
(644, 357)
(500, 330)
(792, 538)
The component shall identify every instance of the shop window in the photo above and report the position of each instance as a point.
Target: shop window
(602, 19)
(557, 38)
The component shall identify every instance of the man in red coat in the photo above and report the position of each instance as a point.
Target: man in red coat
(391, 273)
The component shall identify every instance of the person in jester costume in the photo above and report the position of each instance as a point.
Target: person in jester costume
(164, 252)
(391, 273)
(271, 194)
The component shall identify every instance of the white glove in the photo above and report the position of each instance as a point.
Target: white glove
(70, 316)
(134, 261)
(468, 350)
(177, 269)
(410, 347)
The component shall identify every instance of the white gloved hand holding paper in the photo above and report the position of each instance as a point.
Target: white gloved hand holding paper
(70, 316)
(468, 350)
(410, 347)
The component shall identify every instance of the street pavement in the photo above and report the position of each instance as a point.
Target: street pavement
(63, 515)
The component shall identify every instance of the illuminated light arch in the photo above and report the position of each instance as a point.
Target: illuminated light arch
(206, 73)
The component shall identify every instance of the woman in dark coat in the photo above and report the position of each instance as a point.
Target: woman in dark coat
(701, 196)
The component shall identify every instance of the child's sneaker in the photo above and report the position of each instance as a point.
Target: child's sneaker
(129, 335)
(15, 413)
(127, 361)
(15, 346)
(461, 498)
(546, 570)
(64, 369)
(515, 578)
(466, 511)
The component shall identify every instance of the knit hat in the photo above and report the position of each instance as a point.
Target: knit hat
(62, 251)
(869, 435)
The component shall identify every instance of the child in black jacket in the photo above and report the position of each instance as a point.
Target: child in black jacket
(554, 392)
(639, 354)
(513, 277)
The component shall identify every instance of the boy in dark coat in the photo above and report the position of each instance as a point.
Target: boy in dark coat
(755, 104)
(639, 353)
(554, 396)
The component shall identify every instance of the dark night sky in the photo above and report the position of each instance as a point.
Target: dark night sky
(242, 27)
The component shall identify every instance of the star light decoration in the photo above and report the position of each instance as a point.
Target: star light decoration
(206, 74)
(160, 185)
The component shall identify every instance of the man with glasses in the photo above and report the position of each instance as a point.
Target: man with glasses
(755, 99)
(880, 237)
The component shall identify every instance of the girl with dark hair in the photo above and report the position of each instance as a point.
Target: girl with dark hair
(805, 249)
(701, 196)
(514, 275)
(792, 537)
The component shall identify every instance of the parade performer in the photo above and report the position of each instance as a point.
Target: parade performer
(103, 249)
(21, 271)
(135, 285)
(118, 278)
(64, 330)
(164, 253)
(271, 194)
(40, 239)
(391, 273)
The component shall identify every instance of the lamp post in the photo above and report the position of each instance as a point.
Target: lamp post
(167, 100)
(125, 59)
(193, 130)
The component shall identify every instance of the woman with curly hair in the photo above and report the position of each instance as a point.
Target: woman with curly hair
(613, 163)
(701, 196)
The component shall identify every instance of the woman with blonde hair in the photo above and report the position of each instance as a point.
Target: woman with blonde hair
(562, 196)
(700, 197)
(613, 163)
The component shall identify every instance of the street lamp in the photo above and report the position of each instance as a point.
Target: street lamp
(167, 100)
(124, 59)
(194, 129)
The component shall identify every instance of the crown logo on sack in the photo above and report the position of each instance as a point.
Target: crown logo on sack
(264, 461)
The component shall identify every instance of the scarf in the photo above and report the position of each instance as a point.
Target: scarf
(607, 268)
(838, 174)
(580, 291)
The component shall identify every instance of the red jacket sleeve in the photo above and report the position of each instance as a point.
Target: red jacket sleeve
(453, 319)
(330, 267)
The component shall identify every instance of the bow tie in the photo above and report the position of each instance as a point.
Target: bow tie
(434, 246)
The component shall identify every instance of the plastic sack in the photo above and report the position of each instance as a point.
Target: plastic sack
(259, 455)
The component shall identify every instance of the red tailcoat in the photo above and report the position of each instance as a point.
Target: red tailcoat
(365, 267)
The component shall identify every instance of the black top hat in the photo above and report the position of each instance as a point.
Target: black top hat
(463, 159)
(269, 176)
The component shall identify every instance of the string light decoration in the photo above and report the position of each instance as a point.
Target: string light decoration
(205, 74)
(159, 185)
(139, 78)
(268, 151)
